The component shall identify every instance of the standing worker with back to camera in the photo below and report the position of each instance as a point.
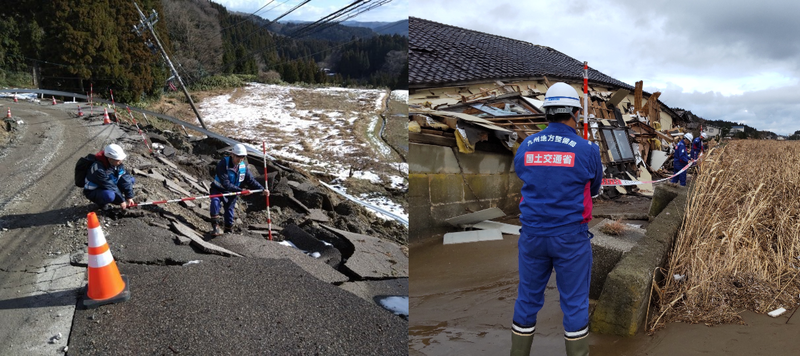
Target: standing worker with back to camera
(230, 173)
(681, 160)
(561, 172)
(697, 146)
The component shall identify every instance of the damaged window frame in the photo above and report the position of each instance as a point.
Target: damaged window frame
(611, 136)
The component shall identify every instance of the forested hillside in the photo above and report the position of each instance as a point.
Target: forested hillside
(69, 44)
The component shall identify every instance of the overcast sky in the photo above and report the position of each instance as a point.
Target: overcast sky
(316, 9)
(728, 60)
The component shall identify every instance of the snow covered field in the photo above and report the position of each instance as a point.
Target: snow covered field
(327, 130)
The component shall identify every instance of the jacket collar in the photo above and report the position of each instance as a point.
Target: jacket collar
(101, 156)
(559, 127)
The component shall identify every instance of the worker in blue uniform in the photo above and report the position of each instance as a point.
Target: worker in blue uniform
(107, 181)
(697, 146)
(681, 160)
(231, 172)
(561, 172)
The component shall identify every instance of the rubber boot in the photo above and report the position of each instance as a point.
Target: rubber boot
(577, 347)
(215, 231)
(228, 229)
(521, 344)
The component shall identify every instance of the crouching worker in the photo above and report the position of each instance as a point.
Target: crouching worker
(107, 181)
(231, 172)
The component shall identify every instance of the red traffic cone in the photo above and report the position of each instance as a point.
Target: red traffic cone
(105, 284)
(106, 120)
(9, 113)
(80, 113)
(15, 97)
(54, 100)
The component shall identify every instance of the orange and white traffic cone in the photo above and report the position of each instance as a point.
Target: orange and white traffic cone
(105, 285)
(80, 113)
(15, 97)
(9, 113)
(54, 100)
(106, 120)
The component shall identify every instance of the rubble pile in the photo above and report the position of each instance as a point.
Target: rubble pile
(633, 143)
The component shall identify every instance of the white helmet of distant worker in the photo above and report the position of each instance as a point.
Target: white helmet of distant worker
(689, 137)
(561, 98)
(239, 150)
(704, 135)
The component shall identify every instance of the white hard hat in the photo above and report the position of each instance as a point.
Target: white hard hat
(688, 136)
(114, 151)
(563, 95)
(704, 135)
(239, 150)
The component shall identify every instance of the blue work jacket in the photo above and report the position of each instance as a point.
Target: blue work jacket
(229, 178)
(681, 157)
(561, 172)
(106, 177)
(697, 147)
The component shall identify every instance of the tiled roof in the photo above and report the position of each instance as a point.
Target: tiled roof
(441, 54)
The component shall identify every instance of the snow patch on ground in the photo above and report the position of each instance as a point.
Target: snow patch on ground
(400, 95)
(317, 139)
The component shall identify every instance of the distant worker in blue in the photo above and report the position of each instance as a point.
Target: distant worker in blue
(107, 181)
(697, 146)
(561, 172)
(230, 173)
(681, 160)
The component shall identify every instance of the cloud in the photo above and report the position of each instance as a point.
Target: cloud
(723, 60)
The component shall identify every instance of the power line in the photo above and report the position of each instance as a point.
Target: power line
(246, 18)
(291, 10)
(249, 56)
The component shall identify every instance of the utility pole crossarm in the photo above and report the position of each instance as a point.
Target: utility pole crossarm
(148, 23)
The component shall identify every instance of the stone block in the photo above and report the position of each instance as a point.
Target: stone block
(623, 301)
(607, 251)
(662, 195)
(446, 188)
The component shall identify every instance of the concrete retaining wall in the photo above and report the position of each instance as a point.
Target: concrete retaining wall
(623, 302)
(437, 190)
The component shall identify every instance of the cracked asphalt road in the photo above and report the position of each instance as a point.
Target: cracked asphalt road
(38, 286)
(219, 306)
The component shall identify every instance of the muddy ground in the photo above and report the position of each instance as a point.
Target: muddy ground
(462, 299)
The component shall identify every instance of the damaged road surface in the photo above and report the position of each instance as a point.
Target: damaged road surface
(316, 289)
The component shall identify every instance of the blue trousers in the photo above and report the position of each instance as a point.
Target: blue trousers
(228, 202)
(102, 197)
(682, 176)
(571, 256)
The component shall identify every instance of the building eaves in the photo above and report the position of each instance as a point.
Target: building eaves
(442, 55)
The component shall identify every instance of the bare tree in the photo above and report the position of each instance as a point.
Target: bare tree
(194, 32)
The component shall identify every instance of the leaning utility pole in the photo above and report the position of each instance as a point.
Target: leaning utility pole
(149, 22)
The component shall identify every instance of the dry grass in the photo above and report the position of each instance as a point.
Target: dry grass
(614, 228)
(740, 241)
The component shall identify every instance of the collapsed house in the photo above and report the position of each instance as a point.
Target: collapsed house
(474, 97)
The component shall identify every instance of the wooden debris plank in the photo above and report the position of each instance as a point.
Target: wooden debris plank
(431, 139)
(637, 97)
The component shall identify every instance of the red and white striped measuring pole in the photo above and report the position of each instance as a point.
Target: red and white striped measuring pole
(91, 93)
(266, 185)
(585, 100)
(116, 118)
(140, 130)
(244, 192)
